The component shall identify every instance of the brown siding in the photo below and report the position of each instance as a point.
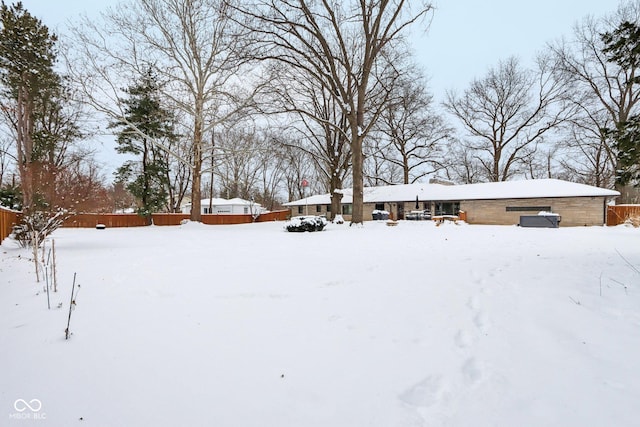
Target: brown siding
(575, 211)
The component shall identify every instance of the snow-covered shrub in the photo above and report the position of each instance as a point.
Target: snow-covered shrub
(306, 223)
(33, 228)
(633, 221)
(36, 226)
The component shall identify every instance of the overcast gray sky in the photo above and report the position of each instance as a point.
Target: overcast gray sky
(465, 38)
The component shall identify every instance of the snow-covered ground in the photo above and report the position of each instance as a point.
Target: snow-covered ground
(248, 325)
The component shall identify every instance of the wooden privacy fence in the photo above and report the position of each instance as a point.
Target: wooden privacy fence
(274, 216)
(110, 220)
(134, 220)
(8, 219)
(618, 214)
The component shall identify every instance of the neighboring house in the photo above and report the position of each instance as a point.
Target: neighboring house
(499, 203)
(227, 206)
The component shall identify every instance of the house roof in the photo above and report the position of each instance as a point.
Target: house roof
(234, 201)
(227, 202)
(528, 189)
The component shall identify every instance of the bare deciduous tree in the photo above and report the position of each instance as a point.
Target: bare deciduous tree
(120, 198)
(6, 158)
(461, 165)
(320, 125)
(195, 48)
(250, 162)
(272, 173)
(378, 171)
(341, 46)
(587, 156)
(506, 114)
(179, 173)
(298, 166)
(604, 92)
(412, 132)
(80, 187)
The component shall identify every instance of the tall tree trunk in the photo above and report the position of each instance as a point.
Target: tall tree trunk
(357, 132)
(405, 169)
(24, 145)
(213, 164)
(196, 197)
(336, 198)
(146, 181)
(196, 183)
(357, 216)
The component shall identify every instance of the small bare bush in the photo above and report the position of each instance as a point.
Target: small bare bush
(35, 227)
(633, 220)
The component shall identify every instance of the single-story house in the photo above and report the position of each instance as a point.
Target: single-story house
(499, 203)
(227, 206)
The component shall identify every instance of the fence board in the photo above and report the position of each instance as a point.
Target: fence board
(618, 214)
(8, 219)
(109, 220)
(163, 219)
(274, 216)
(168, 218)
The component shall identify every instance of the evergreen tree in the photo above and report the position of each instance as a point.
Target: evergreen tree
(145, 121)
(622, 47)
(10, 197)
(30, 88)
(33, 100)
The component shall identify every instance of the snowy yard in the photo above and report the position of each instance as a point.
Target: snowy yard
(251, 326)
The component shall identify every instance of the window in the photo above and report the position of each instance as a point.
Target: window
(300, 210)
(528, 208)
(207, 211)
(380, 206)
(347, 209)
(246, 210)
(447, 208)
(318, 208)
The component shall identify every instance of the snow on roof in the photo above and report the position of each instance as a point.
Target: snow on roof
(533, 188)
(319, 199)
(235, 201)
(491, 190)
(226, 202)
